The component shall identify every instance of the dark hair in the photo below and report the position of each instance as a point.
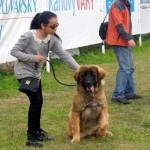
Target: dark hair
(40, 18)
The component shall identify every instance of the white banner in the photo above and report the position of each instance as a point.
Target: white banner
(145, 15)
(79, 21)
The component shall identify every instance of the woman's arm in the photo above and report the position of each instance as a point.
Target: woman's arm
(18, 50)
(66, 57)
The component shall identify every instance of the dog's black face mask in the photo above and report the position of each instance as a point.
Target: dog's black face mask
(89, 80)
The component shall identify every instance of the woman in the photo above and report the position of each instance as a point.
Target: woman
(31, 51)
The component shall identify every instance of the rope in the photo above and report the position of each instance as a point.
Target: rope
(51, 65)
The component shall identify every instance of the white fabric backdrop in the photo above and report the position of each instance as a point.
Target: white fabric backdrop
(79, 21)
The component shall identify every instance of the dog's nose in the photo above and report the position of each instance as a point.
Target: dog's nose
(88, 83)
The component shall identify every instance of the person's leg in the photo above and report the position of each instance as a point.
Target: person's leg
(34, 111)
(40, 107)
(122, 55)
(130, 88)
(33, 118)
(34, 114)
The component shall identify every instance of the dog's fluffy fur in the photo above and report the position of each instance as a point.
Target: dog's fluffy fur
(89, 111)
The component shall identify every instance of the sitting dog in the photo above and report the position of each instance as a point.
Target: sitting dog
(89, 111)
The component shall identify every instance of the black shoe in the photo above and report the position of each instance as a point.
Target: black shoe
(43, 136)
(135, 96)
(121, 100)
(31, 140)
(33, 143)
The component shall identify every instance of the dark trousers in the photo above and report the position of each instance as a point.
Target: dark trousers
(34, 113)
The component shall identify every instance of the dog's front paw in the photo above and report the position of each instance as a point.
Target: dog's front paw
(108, 133)
(75, 140)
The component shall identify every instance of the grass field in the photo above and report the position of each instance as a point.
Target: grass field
(130, 124)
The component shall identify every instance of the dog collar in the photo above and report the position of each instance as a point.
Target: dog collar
(86, 103)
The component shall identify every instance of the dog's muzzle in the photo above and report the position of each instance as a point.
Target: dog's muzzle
(89, 87)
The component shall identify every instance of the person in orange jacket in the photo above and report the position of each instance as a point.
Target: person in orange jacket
(120, 38)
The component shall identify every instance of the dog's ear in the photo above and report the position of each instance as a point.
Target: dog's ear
(101, 72)
(76, 75)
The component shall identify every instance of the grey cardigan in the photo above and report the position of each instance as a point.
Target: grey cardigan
(27, 48)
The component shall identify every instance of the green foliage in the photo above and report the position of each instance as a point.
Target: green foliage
(129, 124)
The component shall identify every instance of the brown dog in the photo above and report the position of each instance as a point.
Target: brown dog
(89, 111)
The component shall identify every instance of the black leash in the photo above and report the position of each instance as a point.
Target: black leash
(51, 65)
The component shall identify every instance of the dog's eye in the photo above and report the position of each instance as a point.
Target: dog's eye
(91, 72)
(85, 73)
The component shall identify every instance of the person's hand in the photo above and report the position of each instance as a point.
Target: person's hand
(132, 43)
(39, 58)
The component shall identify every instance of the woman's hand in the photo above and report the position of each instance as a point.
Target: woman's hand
(39, 58)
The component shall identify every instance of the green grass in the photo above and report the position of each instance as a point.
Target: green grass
(130, 124)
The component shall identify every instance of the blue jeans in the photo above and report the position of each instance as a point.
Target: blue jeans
(124, 79)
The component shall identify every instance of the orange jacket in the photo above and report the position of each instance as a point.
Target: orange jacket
(119, 24)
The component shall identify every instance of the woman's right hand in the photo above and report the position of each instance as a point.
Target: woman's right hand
(39, 58)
